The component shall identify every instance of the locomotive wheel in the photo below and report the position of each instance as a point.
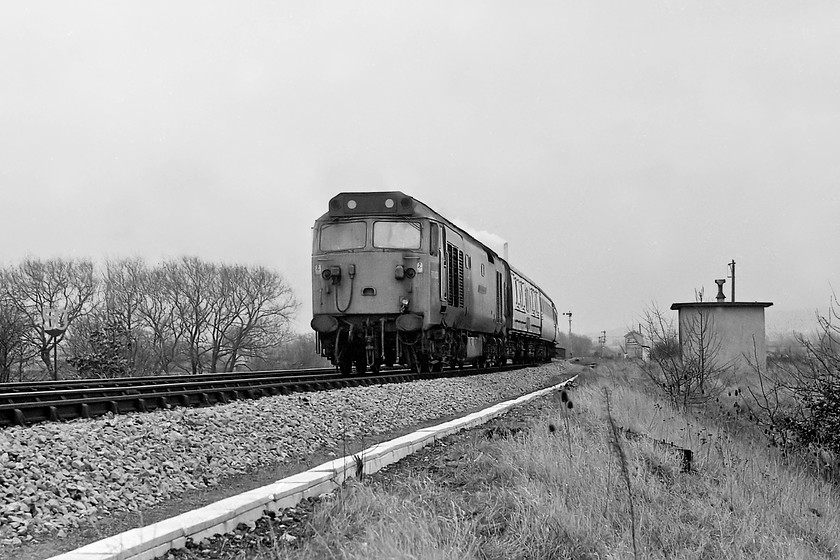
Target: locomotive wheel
(345, 364)
(420, 364)
(344, 353)
(361, 365)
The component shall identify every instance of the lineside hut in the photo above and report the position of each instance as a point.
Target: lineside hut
(733, 331)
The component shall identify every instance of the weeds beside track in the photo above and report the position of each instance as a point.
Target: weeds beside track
(482, 494)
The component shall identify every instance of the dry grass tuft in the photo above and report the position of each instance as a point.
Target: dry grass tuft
(530, 497)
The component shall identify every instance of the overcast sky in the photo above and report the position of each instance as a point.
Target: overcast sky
(627, 151)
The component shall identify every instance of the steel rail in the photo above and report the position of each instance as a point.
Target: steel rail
(194, 382)
(31, 386)
(26, 408)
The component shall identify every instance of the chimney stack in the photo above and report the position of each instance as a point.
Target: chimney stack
(720, 296)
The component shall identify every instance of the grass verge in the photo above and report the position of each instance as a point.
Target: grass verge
(529, 496)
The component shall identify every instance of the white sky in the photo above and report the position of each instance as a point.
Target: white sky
(627, 151)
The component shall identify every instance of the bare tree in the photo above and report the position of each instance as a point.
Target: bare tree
(228, 302)
(12, 341)
(180, 315)
(191, 283)
(122, 287)
(258, 313)
(206, 317)
(251, 310)
(684, 364)
(159, 319)
(35, 286)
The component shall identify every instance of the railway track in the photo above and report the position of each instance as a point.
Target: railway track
(24, 404)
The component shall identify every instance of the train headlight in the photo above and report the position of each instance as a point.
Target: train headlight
(403, 304)
(332, 273)
(399, 272)
(410, 272)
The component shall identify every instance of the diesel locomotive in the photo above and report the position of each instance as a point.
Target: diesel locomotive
(394, 282)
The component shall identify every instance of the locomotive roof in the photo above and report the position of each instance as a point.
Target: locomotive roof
(390, 203)
(396, 204)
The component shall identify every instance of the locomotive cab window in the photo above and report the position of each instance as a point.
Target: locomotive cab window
(343, 236)
(396, 235)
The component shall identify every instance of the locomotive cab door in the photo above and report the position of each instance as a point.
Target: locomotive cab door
(441, 256)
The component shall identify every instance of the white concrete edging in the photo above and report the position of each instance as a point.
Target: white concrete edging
(152, 541)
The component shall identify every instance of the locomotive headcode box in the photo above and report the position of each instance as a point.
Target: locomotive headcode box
(382, 203)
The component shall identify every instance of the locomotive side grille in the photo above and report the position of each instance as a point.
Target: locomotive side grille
(449, 283)
(461, 278)
(455, 276)
(499, 312)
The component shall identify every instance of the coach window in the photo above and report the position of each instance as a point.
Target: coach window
(343, 236)
(396, 235)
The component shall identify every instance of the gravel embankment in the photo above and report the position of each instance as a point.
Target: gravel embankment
(54, 477)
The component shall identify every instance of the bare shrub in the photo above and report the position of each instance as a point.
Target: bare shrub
(684, 364)
(798, 403)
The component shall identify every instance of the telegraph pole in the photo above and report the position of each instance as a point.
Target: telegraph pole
(732, 266)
